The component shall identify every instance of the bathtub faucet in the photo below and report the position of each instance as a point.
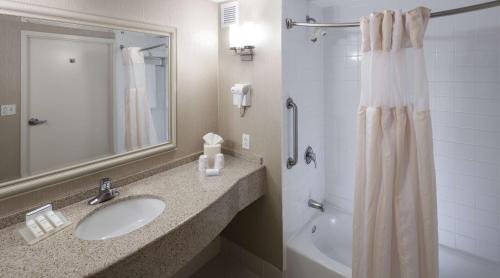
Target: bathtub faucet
(315, 204)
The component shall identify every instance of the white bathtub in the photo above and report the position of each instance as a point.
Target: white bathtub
(326, 252)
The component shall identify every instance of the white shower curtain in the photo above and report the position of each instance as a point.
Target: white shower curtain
(139, 127)
(395, 220)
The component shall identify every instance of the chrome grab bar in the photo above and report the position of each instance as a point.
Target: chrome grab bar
(292, 161)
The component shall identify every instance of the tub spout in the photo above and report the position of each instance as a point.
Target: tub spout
(315, 204)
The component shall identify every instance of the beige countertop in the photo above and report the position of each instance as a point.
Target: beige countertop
(197, 209)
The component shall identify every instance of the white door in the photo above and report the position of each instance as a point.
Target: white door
(69, 85)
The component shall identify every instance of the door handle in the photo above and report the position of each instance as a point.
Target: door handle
(35, 121)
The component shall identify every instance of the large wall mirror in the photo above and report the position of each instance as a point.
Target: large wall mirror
(75, 94)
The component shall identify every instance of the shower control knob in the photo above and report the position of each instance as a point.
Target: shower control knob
(310, 156)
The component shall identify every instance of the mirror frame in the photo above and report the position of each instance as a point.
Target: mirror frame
(23, 185)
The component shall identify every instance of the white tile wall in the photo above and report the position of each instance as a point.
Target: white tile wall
(342, 88)
(463, 62)
(303, 81)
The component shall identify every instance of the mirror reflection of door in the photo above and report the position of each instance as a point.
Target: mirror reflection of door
(68, 85)
(78, 93)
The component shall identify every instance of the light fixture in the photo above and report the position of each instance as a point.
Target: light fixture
(242, 40)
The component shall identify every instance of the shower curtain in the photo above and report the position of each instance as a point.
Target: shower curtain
(139, 127)
(395, 218)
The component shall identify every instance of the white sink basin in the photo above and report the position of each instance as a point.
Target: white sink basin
(119, 218)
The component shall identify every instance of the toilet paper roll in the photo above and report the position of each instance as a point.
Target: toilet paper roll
(212, 172)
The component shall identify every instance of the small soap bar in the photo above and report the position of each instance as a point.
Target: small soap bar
(212, 172)
(54, 219)
(42, 221)
(34, 228)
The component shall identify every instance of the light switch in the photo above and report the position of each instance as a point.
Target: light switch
(245, 141)
(8, 110)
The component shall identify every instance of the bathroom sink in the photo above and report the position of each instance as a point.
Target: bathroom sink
(119, 218)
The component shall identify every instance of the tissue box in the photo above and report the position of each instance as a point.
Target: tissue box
(210, 151)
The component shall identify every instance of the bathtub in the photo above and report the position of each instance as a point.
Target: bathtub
(322, 249)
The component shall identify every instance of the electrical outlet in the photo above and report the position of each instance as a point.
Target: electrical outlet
(245, 141)
(7, 109)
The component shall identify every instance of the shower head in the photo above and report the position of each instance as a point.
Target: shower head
(318, 33)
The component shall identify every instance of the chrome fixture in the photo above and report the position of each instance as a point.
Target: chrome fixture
(148, 48)
(316, 205)
(246, 52)
(292, 161)
(310, 156)
(290, 23)
(310, 19)
(105, 192)
(242, 40)
(35, 121)
(318, 32)
(154, 46)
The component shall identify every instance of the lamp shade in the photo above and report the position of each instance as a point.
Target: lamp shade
(248, 31)
(235, 36)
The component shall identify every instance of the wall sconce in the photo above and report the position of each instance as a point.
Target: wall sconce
(242, 40)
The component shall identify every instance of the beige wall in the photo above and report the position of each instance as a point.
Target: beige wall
(10, 93)
(259, 227)
(197, 65)
(200, 65)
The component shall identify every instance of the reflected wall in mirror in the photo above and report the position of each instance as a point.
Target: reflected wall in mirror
(72, 94)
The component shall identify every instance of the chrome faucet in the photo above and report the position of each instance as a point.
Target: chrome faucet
(315, 204)
(105, 192)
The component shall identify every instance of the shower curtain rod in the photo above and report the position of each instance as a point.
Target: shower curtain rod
(147, 48)
(290, 23)
(159, 45)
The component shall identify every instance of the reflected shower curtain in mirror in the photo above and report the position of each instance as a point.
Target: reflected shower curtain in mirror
(139, 127)
(395, 218)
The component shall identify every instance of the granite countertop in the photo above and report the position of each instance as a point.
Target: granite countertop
(188, 195)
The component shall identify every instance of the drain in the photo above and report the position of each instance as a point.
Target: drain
(314, 229)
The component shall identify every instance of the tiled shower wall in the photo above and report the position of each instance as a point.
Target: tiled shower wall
(303, 81)
(463, 65)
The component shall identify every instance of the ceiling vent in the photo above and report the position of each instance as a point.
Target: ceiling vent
(229, 13)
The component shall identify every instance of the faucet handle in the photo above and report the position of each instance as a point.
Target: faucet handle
(105, 184)
(310, 156)
(105, 192)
